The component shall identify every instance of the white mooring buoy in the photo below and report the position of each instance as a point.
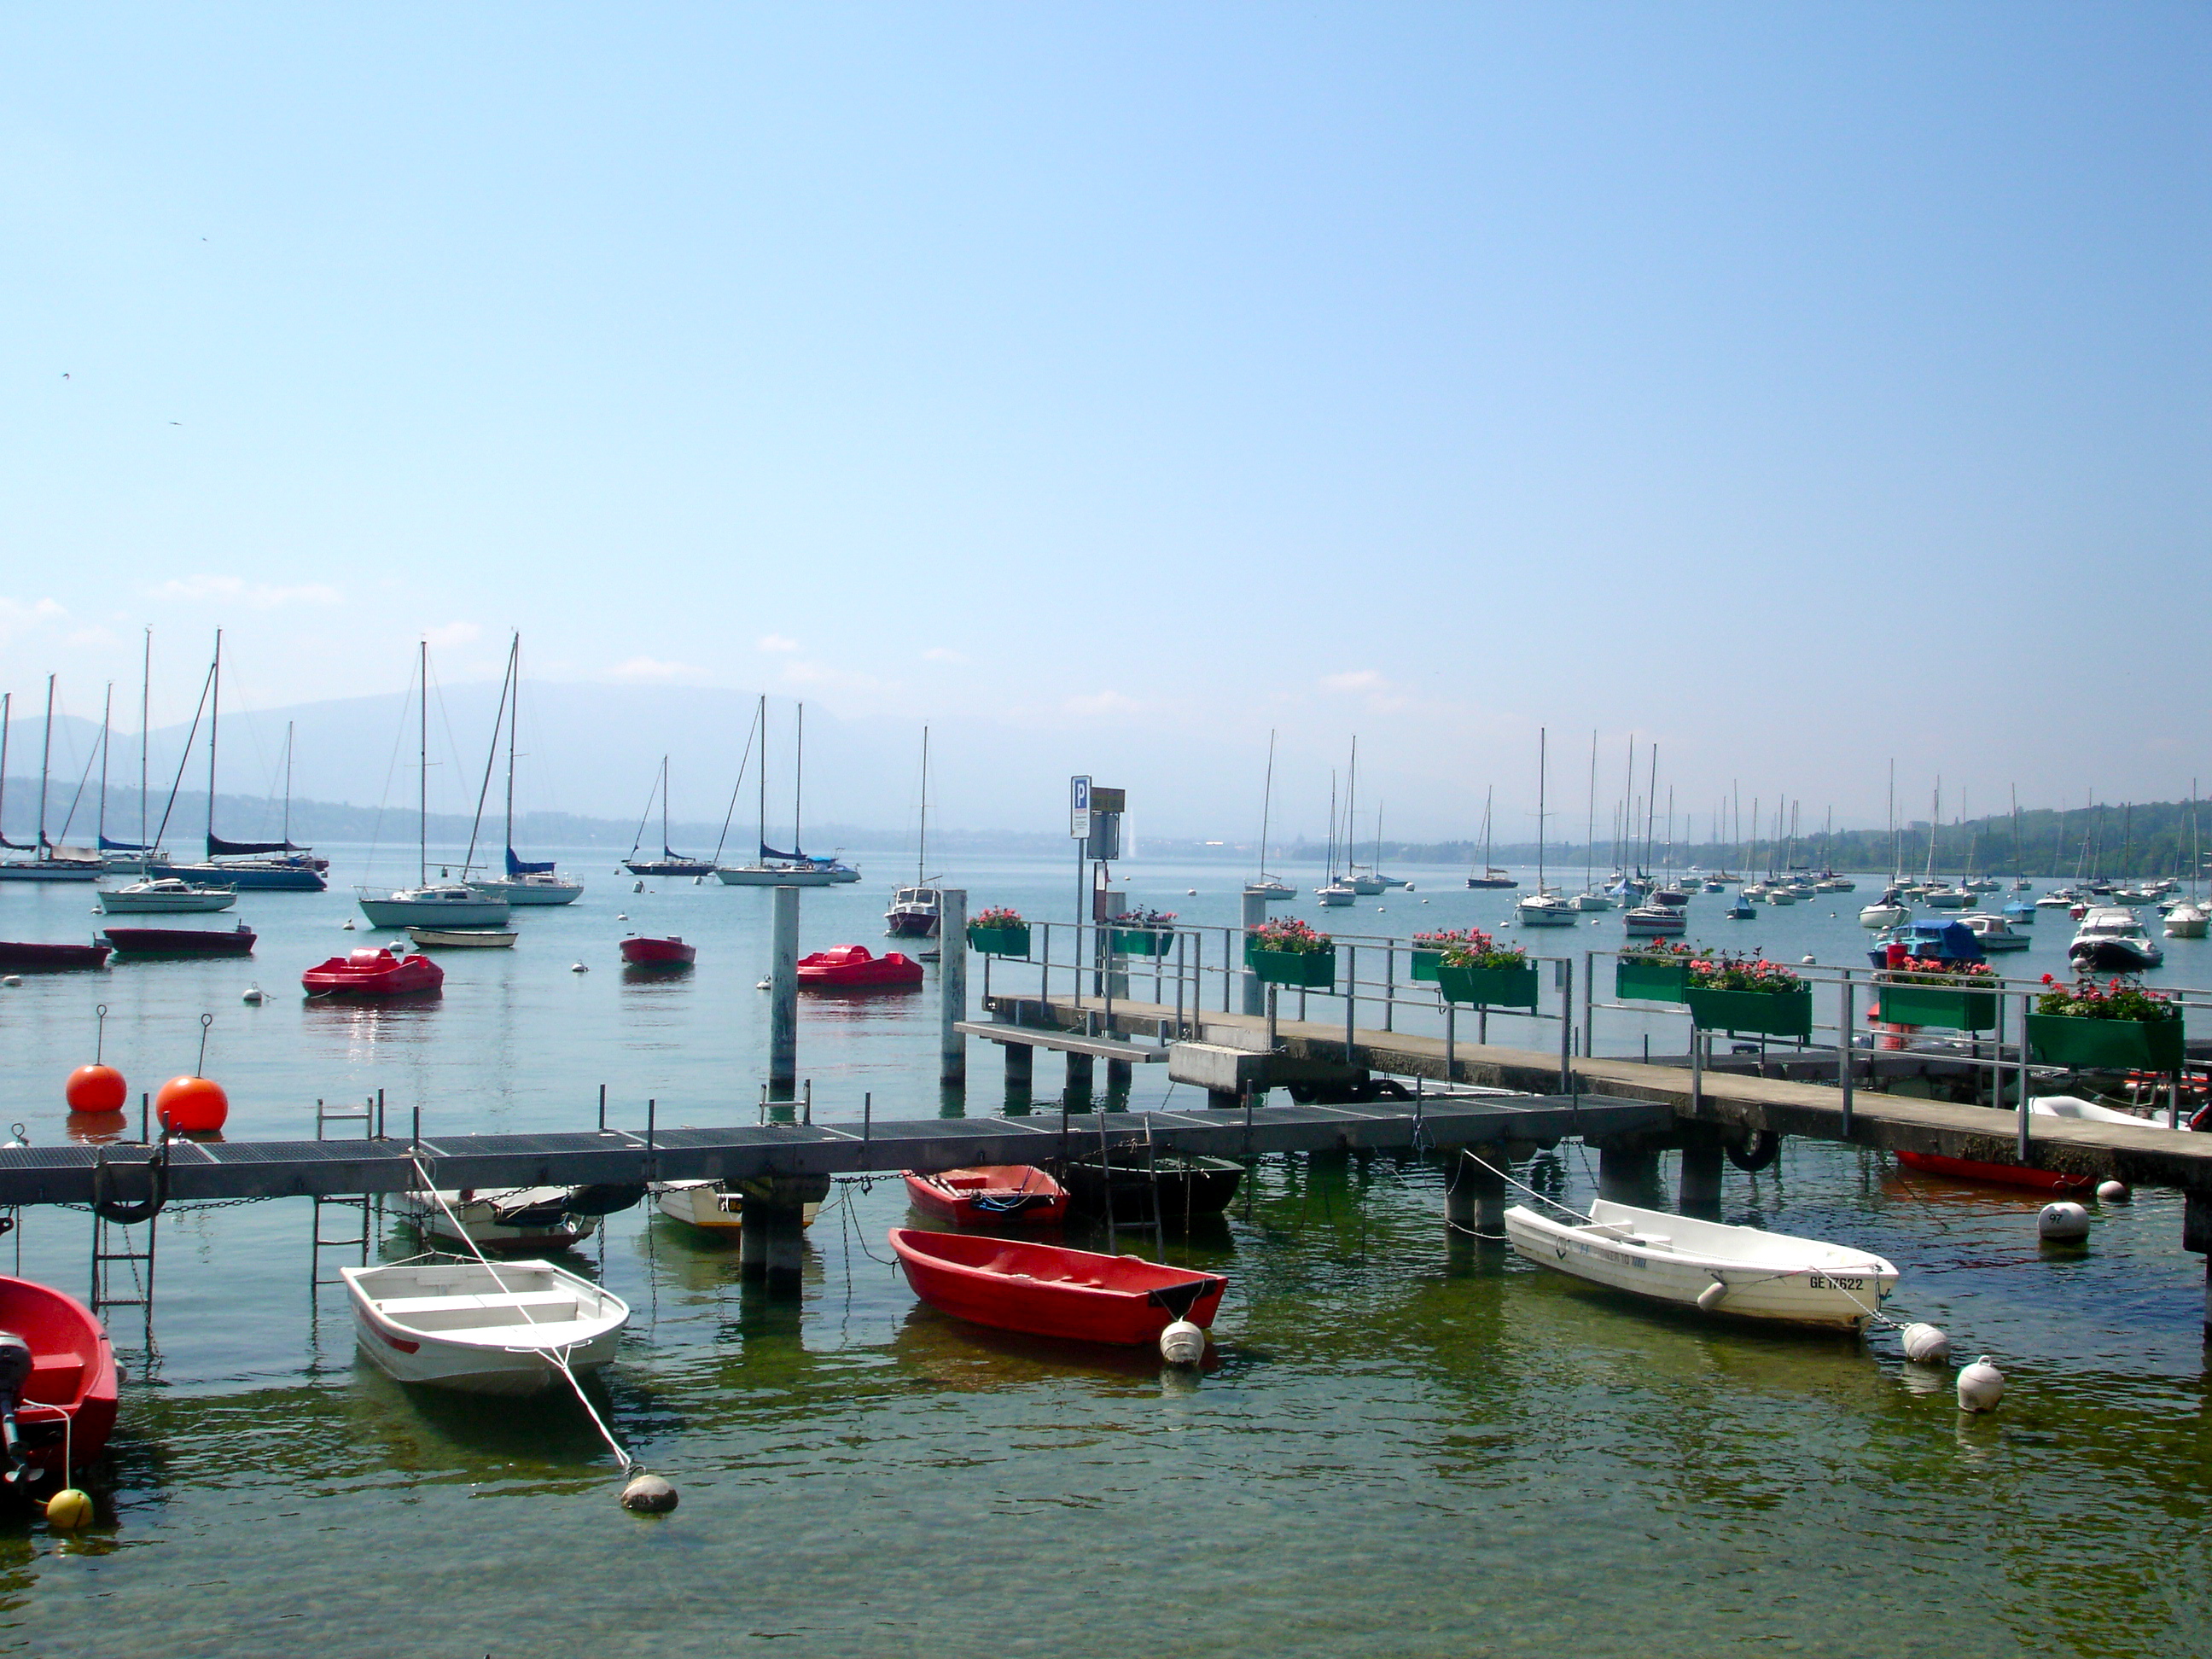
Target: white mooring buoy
(2062, 1223)
(1182, 1343)
(2113, 1192)
(1925, 1345)
(253, 995)
(578, 968)
(648, 1494)
(1981, 1385)
(346, 925)
(622, 915)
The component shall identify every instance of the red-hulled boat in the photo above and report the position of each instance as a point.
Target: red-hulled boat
(852, 968)
(658, 952)
(58, 1383)
(1045, 1291)
(373, 972)
(2001, 1174)
(989, 1192)
(182, 941)
(24, 956)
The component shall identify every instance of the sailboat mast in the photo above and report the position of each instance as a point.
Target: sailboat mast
(421, 762)
(46, 755)
(921, 839)
(288, 783)
(215, 721)
(664, 807)
(1543, 771)
(1589, 823)
(763, 780)
(107, 725)
(7, 712)
(797, 779)
(145, 701)
(1650, 808)
(1351, 793)
(1267, 806)
(1332, 828)
(514, 719)
(1896, 835)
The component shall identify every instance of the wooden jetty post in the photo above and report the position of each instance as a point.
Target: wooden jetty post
(952, 985)
(783, 1003)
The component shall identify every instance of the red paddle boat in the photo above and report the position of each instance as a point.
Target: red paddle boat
(56, 1383)
(1046, 1290)
(658, 952)
(371, 971)
(2001, 1174)
(27, 957)
(988, 1193)
(852, 968)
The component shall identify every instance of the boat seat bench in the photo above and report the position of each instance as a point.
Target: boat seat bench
(422, 1305)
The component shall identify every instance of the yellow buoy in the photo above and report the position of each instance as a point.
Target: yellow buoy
(69, 1509)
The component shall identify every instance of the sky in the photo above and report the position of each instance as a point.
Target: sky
(1798, 388)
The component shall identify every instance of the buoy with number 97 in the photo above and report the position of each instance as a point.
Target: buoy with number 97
(193, 1105)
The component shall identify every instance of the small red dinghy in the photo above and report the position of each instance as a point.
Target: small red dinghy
(658, 952)
(56, 1383)
(1046, 1290)
(2002, 1175)
(852, 968)
(373, 972)
(25, 956)
(987, 1193)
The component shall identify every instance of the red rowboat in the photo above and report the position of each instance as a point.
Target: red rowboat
(372, 972)
(2002, 1175)
(851, 968)
(182, 941)
(36, 959)
(987, 1193)
(1046, 1290)
(56, 1383)
(658, 952)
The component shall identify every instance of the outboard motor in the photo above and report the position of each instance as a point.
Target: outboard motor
(14, 1376)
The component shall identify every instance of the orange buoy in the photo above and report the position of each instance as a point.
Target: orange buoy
(193, 1105)
(95, 1089)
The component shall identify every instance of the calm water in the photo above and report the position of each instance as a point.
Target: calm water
(1409, 1446)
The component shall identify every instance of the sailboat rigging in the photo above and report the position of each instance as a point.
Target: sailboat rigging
(1271, 888)
(916, 912)
(527, 881)
(443, 903)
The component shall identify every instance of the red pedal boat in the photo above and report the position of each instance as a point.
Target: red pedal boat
(1046, 1290)
(23, 955)
(989, 1192)
(371, 971)
(2002, 1175)
(852, 968)
(658, 952)
(56, 1383)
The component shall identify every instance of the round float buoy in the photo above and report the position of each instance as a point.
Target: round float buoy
(648, 1494)
(12, 980)
(2113, 1192)
(578, 968)
(1981, 1385)
(253, 995)
(95, 1089)
(1190, 892)
(69, 1509)
(622, 915)
(193, 1105)
(1182, 1343)
(2062, 1222)
(1925, 1345)
(346, 925)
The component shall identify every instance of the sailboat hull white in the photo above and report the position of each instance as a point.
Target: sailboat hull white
(757, 876)
(530, 892)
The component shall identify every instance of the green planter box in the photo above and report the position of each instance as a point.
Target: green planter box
(1760, 1013)
(2104, 1045)
(999, 941)
(1651, 981)
(1143, 941)
(1937, 1005)
(1310, 970)
(1491, 987)
(1424, 966)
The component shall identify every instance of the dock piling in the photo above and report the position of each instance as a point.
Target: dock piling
(1699, 1192)
(1475, 1196)
(952, 985)
(1077, 1094)
(783, 1003)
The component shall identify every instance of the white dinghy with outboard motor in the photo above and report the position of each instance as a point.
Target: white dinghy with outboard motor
(505, 1329)
(1742, 1271)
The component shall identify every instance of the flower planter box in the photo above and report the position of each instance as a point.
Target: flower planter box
(1424, 966)
(2104, 1045)
(1651, 981)
(1753, 1013)
(1937, 1005)
(1143, 941)
(1490, 988)
(999, 941)
(1310, 970)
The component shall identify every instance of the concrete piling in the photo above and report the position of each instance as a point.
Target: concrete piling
(952, 985)
(783, 1003)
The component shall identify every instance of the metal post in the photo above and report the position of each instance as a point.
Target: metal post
(1179, 984)
(603, 1108)
(1351, 996)
(1274, 992)
(1697, 1072)
(1590, 979)
(1843, 1047)
(1254, 913)
(1567, 1026)
(952, 984)
(2022, 1148)
(1228, 964)
(783, 998)
(1451, 1035)
(1389, 984)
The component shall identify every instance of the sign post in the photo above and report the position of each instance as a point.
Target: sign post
(1078, 803)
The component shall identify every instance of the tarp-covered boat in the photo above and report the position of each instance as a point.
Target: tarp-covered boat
(1045, 1291)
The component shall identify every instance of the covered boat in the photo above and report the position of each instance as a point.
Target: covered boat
(1045, 1291)
(56, 1383)
(24, 956)
(711, 1205)
(1743, 1271)
(1176, 1187)
(482, 1328)
(854, 968)
(986, 1193)
(371, 971)
(182, 941)
(512, 1221)
(671, 953)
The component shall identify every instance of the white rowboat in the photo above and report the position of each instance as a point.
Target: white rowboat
(479, 1328)
(463, 938)
(1675, 1259)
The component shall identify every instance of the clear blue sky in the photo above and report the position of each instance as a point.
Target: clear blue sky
(1801, 385)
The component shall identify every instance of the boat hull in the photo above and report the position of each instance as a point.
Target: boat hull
(51, 871)
(434, 913)
(910, 923)
(712, 1207)
(68, 1408)
(396, 976)
(530, 892)
(1675, 1260)
(2000, 1175)
(463, 938)
(174, 904)
(481, 1330)
(1042, 1290)
(265, 878)
(658, 953)
(181, 941)
(31, 957)
(759, 876)
(992, 1195)
(1185, 1188)
(536, 1220)
(853, 968)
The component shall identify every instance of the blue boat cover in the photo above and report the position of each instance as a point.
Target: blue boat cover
(516, 866)
(768, 852)
(107, 846)
(219, 849)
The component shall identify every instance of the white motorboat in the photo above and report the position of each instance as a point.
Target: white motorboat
(1947, 898)
(515, 1221)
(1545, 910)
(711, 1205)
(2185, 920)
(2111, 940)
(1592, 900)
(463, 938)
(2085, 1111)
(1994, 932)
(481, 1328)
(434, 904)
(164, 894)
(1655, 919)
(2059, 898)
(1780, 894)
(1742, 1271)
(914, 912)
(1886, 912)
(774, 875)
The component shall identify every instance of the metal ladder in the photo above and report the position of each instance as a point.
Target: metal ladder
(1146, 1180)
(370, 1115)
(111, 1247)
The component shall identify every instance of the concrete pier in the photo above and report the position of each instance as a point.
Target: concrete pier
(1254, 913)
(783, 998)
(1079, 1071)
(1021, 1071)
(1699, 1189)
(952, 985)
(1474, 1195)
(772, 1244)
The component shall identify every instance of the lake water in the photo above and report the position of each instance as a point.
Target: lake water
(1408, 1445)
